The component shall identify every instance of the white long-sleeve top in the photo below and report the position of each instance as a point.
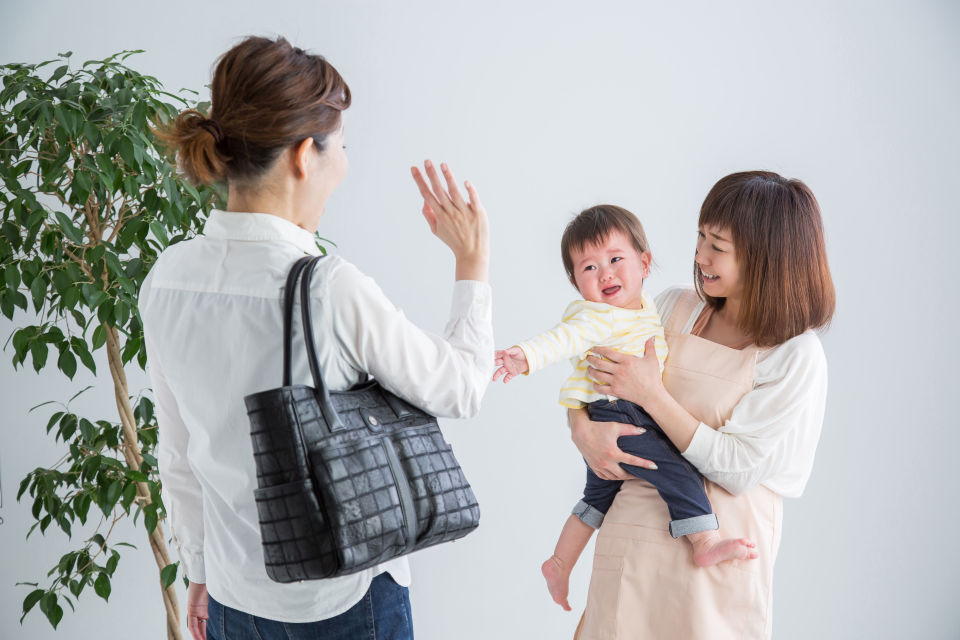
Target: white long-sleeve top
(212, 316)
(771, 437)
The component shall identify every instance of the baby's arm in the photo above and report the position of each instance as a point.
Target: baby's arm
(584, 326)
(510, 363)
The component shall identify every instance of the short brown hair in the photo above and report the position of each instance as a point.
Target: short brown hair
(266, 95)
(778, 237)
(591, 226)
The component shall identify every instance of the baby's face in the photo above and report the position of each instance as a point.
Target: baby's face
(611, 271)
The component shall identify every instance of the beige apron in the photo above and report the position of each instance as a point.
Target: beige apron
(644, 583)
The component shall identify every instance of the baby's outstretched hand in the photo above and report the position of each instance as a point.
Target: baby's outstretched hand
(509, 362)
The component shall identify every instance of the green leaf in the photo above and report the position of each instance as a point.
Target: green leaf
(160, 233)
(102, 586)
(67, 363)
(86, 388)
(53, 419)
(150, 517)
(6, 305)
(114, 491)
(12, 276)
(134, 267)
(24, 484)
(81, 187)
(80, 348)
(58, 73)
(99, 336)
(129, 495)
(68, 426)
(112, 562)
(39, 352)
(66, 563)
(66, 224)
(64, 524)
(87, 430)
(82, 507)
(38, 289)
(168, 574)
(55, 615)
(31, 600)
(68, 423)
(136, 476)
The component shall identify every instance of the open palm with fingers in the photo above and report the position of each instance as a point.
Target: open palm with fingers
(461, 225)
(510, 363)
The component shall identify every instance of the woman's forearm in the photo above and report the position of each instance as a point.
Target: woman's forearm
(474, 267)
(675, 421)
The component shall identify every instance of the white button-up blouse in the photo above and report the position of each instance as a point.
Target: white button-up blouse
(211, 310)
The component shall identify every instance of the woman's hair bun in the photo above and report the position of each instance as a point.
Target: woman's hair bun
(267, 95)
(195, 138)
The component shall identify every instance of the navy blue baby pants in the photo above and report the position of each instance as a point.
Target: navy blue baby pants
(678, 482)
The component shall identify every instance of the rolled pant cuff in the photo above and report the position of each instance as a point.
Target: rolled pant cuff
(696, 524)
(590, 516)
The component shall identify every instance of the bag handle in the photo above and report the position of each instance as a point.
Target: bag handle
(288, 295)
(323, 396)
(305, 266)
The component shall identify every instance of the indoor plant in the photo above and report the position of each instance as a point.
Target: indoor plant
(88, 202)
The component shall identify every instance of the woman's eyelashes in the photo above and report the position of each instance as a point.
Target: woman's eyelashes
(700, 234)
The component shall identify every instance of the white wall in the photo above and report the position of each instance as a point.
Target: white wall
(550, 107)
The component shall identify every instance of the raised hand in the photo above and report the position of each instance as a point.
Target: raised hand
(510, 363)
(461, 225)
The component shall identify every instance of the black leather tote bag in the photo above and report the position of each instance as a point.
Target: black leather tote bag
(347, 479)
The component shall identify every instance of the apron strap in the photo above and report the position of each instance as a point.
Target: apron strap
(682, 310)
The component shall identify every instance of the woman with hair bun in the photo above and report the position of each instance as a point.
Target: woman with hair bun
(211, 310)
(742, 397)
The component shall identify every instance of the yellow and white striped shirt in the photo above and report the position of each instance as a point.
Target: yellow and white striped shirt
(593, 324)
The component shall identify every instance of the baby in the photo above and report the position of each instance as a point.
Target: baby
(606, 257)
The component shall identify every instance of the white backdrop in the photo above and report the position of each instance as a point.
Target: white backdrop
(550, 107)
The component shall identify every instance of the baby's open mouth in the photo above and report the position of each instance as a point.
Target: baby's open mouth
(609, 291)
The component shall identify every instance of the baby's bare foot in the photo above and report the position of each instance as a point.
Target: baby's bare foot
(715, 552)
(557, 575)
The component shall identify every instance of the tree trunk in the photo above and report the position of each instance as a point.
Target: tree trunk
(131, 453)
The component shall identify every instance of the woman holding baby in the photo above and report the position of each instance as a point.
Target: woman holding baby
(741, 397)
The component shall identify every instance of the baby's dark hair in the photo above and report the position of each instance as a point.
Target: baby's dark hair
(593, 225)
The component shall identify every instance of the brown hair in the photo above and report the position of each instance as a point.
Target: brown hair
(593, 225)
(266, 96)
(777, 234)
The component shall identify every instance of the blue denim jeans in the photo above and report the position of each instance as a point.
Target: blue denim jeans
(677, 481)
(382, 614)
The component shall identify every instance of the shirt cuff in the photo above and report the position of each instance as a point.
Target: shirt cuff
(192, 564)
(704, 439)
(533, 363)
(471, 297)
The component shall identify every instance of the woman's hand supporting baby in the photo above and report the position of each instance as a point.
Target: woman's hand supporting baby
(638, 380)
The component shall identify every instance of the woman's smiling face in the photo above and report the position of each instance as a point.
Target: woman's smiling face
(717, 259)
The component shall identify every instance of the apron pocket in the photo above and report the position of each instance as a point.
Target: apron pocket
(603, 606)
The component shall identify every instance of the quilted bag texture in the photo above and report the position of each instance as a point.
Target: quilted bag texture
(348, 480)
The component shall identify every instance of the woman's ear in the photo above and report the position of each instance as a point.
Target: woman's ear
(300, 157)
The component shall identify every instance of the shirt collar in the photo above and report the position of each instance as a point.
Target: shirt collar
(232, 225)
